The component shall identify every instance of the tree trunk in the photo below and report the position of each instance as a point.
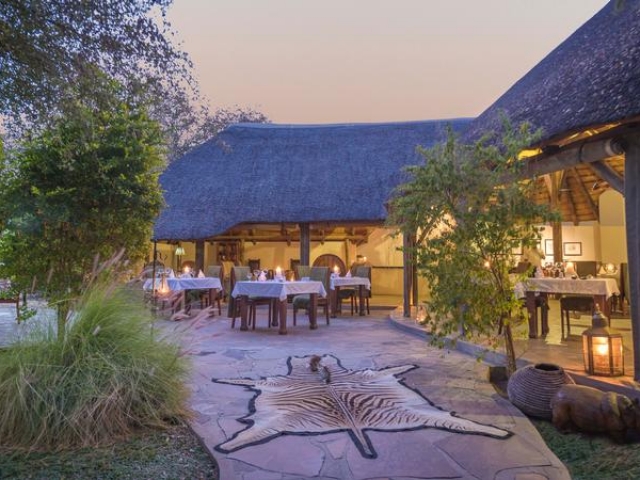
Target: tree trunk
(510, 350)
(62, 313)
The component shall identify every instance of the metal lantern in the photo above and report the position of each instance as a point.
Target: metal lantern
(602, 348)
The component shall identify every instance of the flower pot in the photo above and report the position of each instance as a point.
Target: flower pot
(531, 388)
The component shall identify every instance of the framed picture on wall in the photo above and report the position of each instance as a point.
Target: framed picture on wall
(548, 246)
(572, 249)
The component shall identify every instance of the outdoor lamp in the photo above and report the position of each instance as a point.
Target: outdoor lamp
(602, 349)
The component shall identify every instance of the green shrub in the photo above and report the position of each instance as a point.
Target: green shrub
(108, 376)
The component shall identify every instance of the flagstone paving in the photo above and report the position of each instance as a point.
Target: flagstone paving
(452, 381)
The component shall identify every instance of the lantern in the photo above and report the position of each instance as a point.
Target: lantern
(164, 285)
(602, 348)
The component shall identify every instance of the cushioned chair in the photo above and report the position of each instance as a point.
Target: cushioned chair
(365, 272)
(573, 304)
(239, 274)
(303, 271)
(320, 274)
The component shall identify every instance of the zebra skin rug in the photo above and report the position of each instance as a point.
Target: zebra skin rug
(320, 396)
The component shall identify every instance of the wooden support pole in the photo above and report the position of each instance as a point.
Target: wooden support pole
(199, 256)
(407, 270)
(414, 273)
(556, 228)
(153, 269)
(305, 244)
(632, 213)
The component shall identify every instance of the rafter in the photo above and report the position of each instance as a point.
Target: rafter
(592, 206)
(564, 188)
(609, 175)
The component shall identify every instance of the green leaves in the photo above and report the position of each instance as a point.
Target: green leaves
(470, 213)
(86, 186)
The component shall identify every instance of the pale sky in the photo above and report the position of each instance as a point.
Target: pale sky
(335, 61)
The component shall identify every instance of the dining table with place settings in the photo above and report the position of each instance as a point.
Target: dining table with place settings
(601, 289)
(279, 291)
(336, 283)
(184, 284)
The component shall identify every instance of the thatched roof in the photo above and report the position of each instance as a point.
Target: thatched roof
(591, 79)
(266, 173)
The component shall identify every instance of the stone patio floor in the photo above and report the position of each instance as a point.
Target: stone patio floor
(451, 380)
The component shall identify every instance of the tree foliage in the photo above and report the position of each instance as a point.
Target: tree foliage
(46, 44)
(85, 186)
(187, 127)
(471, 214)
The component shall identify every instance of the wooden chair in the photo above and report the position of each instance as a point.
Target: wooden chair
(365, 272)
(573, 304)
(238, 274)
(215, 271)
(347, 293)
(319, 274)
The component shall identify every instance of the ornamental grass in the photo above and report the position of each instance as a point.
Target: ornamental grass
(108, 376)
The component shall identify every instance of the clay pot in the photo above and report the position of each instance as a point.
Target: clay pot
(531, 388)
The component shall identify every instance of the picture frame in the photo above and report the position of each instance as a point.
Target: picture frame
(572, 249)
(548, 246)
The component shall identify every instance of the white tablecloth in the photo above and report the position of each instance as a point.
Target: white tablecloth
(278, 290)
(350, 282)
(179, 284)
(593, 286)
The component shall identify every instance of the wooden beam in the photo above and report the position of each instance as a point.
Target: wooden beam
(564, 158)
(592, 206)
(632, 214)
(609, 175)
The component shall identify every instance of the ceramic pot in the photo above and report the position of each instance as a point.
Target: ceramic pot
(531, 388)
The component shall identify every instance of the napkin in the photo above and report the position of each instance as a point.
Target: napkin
(200, 274)
(171, 274)
(348, 274)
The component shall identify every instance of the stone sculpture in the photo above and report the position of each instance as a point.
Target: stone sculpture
(580, 408)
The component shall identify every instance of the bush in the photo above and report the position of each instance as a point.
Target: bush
(108, 376)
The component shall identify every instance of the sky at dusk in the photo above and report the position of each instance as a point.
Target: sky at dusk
(336, 61)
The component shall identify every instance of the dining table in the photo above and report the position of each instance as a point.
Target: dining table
(184, 284)
(601, 289)
(361, 283)
(279, 291)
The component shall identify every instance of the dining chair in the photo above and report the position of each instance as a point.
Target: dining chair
(365, 272)
(215, 271)
(573, 303)
(242, 273)
(303, 271)
(303, 301)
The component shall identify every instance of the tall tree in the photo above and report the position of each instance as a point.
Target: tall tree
(85, 186)
(46, 44)
(470, 213)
